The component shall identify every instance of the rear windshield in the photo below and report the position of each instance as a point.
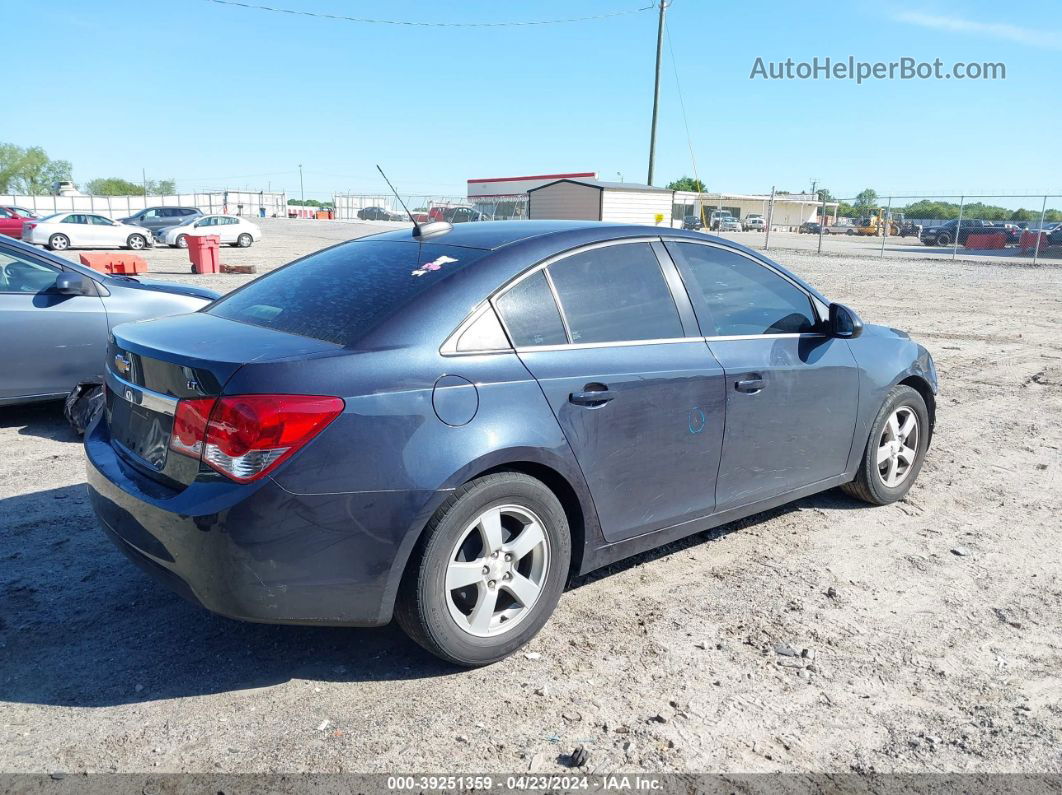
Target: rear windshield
(340, 294)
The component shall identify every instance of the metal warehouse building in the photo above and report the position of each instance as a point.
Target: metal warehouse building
(583, 199)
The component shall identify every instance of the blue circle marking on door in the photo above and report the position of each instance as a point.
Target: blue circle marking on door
(697, 420)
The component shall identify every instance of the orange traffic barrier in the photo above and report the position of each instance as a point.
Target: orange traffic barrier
(988, 240)
(114, 262)
(1027, 243)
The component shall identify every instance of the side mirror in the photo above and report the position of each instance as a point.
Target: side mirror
(844, 322)
(71, 284)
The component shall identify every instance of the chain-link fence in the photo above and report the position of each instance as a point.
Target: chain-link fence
(386, 207)
(1018, 228)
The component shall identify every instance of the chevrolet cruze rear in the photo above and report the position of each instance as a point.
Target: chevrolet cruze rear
(444, 427)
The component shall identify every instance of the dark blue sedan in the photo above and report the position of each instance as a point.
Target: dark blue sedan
(445, 424)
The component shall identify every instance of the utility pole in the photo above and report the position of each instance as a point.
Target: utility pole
(656, 90)
(302, 190)
(143, 176)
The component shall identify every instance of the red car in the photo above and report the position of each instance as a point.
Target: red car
(11, 219)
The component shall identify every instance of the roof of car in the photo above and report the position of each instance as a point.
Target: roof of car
(492, 235)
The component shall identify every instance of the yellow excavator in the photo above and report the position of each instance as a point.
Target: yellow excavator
(874, 225)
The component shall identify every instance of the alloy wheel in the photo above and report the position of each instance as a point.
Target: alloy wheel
(898, 447)
(496, 570)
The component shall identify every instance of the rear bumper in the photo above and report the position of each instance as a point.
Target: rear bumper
(257, 552)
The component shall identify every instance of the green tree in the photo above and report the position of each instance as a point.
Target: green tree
(688, 184)
(866, 200)
(113, 186)
(30, 170)
(116, 186)
(162, 187)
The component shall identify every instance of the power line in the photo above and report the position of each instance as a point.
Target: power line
(374, 21)
(682, 103)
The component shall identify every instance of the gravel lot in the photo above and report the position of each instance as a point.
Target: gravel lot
(933, 627)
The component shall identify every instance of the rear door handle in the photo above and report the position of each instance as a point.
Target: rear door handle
(754, 383)
(591, 397)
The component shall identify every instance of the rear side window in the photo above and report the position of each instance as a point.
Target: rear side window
(615, 294)
(530, 313)
(340, 294)
(741, 296)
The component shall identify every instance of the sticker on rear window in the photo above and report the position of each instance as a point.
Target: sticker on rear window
(434, 265)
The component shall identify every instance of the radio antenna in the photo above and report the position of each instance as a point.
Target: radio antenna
(429, 229)
(392, 187)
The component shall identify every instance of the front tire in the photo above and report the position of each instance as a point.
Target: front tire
(488, 572)
(58, 242)
(136, 242)
(895, 450)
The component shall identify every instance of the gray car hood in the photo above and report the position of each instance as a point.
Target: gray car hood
(159, 286)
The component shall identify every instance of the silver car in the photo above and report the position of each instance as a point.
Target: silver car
(56, 317)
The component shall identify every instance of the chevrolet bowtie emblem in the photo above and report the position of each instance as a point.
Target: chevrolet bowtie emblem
(121, 365)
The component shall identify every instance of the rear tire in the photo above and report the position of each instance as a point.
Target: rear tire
(944, 239)
(58, 242)
(885, 478)
(181, 241)
(244, 241)
(442, 618)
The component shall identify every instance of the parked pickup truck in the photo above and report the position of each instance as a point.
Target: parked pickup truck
(946, 233)
(754, 222)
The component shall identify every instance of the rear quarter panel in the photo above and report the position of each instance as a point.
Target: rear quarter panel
(389, 461)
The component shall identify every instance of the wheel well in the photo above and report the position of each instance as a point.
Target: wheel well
(559, 485)
(922, 387)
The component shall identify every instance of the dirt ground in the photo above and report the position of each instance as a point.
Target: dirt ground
(932, 628)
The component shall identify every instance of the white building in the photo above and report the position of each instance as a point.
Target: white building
(585, 199)
(789, 210)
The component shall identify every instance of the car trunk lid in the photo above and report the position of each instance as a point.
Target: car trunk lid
(154, 364)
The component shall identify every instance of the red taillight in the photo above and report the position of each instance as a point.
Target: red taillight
(246, 436)
(189, 426)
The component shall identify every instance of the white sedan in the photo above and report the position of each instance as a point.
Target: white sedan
(232, 230)
(84, 230)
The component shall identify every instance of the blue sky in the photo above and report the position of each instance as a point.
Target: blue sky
(220, 96)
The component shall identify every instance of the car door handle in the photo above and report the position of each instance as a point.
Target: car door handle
(592, 397)
(752, 384)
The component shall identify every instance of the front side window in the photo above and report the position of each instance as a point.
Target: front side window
(616, 294)
(342, 293)
(530, 313)
(741, 296)
(21, 275)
